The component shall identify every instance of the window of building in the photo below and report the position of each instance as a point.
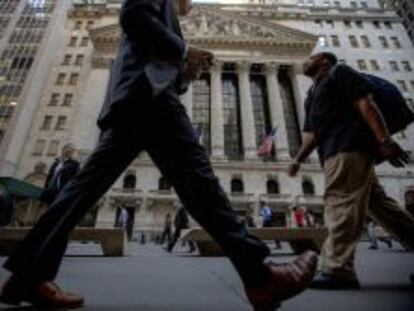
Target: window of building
(130, 181)
(53, 148)
(394, 66)
(323, 42)
(73, 41)
(260, 103)
(84, 41)
(61, 123)
(73, 80)
(395, 42)
(54, 99)
(374, 65)
(47, 123)
(237, 185)
(364, 5)
(388, 25)
(359, 24)
(67, 60)
(90, 24)
(384, 42)
(412, 84)
(67, 100)
(318, 23)
(337, 4)
(406, 66)
(347, 24)
(353, 41)
(326, 3)
(353, 4)
(365, 42)
(272, 186)
(362, 65)
(342, 61)
(335, 41)
(307, 187)
(164, 184)
(39, 147)
(201, 109)
(60, 79)
(376, 25)
(330, 23)
(402, 85)
(232, 116)
(79, 60)
(78, 25)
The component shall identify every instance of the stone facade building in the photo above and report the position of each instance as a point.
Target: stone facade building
(404, 9)
(29, 31)
(256, 85)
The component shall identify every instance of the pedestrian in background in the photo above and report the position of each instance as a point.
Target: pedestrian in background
(346, 126)
(166, 233)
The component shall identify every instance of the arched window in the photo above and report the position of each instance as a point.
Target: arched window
(237, 185)
(130, 181)
(164, 184)
(308, 187)
(272, 186)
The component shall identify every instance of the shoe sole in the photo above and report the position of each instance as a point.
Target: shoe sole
(274, 307)
(10, 301)
(18, 302)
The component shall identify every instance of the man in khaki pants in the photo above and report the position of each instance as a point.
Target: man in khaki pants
(348, 130)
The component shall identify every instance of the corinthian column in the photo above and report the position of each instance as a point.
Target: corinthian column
(277, 113)
(217, 124)
(246, 109)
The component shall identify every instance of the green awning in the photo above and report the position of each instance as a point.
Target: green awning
(20, 188)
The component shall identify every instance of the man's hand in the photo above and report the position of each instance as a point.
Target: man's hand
(197, 60)
(294, 168)
(389, 150)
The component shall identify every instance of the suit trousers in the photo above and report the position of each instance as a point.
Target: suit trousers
(161, 127)
(352, 191)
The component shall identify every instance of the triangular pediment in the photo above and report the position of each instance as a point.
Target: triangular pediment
(215, 24)
(211, 25)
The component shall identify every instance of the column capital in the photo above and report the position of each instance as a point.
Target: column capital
(272, 67)
(298, 68)
(217, 65)
(243, 66)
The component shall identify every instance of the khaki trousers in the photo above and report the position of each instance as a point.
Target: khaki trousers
(352, 191)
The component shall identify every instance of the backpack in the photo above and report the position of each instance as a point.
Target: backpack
(391, 103)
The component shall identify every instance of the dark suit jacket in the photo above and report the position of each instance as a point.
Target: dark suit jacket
(52, 187)
(150, 58)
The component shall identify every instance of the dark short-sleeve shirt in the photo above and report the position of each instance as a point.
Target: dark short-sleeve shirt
(331, 115)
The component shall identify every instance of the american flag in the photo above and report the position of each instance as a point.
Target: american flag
(265, 148)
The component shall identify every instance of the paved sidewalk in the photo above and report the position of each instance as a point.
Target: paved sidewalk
(150, 279)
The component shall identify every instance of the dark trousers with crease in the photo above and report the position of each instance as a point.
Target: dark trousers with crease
(162, 128)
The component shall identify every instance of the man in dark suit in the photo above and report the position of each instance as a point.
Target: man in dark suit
(143, 112)
(63, 169)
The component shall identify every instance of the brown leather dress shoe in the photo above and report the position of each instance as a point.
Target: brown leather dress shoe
(15, 292)
(285, 282)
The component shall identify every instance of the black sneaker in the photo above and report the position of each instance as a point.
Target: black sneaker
(330, 281)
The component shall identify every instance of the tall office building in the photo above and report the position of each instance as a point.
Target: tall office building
(26, 44)
(404, 9)
(256, 85)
